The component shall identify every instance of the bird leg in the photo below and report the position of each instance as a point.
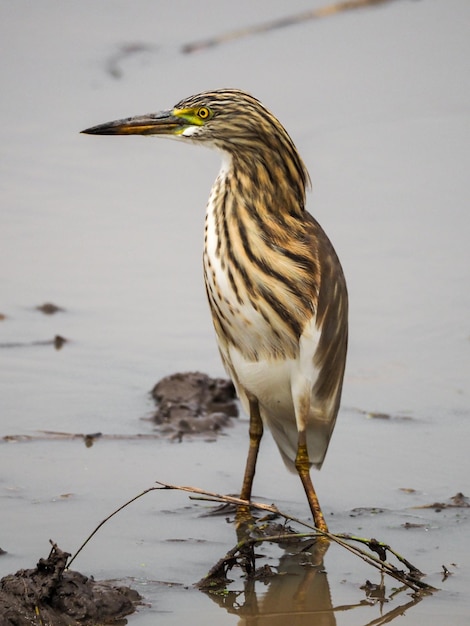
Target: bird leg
(256, 432)
(302, 465)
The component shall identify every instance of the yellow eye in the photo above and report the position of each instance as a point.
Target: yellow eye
(203, 113)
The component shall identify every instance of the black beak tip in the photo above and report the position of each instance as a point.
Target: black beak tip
(101, 129)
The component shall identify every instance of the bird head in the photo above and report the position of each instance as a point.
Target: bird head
(234, 122)
(228, 119)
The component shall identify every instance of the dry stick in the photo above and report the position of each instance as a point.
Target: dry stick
(373, 544)
(106, 519)
(282, 22)
(408, 580)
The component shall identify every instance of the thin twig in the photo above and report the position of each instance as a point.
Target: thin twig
(106, 519)
(281, 22)
(374, 544)
(410, 580)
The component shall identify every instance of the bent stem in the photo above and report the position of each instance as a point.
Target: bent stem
(409, 579)
(108, 518)
(379, 562)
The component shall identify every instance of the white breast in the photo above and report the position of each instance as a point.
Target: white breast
(283, 386)
(249, 326)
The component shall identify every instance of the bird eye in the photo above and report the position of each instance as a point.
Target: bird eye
(203, 113)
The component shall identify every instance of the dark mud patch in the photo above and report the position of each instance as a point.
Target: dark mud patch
(459, 501)
(193, 403)
(88, 438)
(49, 308)
(57, 342)
(50, 594)
(187, 404)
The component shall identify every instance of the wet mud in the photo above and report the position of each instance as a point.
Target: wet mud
(50, 594)
(49, 308)
(193, 403)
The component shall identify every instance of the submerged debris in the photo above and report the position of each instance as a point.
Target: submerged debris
(193, 403)
(365, 510)
(277, 23)
(123, 53)
(58, 341)
(51, 595)
(459, 501)
(49, 308)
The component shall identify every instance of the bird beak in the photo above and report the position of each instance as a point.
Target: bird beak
(161, 123)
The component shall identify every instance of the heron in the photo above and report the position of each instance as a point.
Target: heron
(275, 285)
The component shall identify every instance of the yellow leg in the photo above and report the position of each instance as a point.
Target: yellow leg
(256, 432)
(302, 464)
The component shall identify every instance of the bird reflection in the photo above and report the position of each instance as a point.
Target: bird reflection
(297, 592)
(300, 595)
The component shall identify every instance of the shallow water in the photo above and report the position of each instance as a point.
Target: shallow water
(110, 229)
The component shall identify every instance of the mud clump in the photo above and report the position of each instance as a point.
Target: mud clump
(193, 403)
(50, 594)
(49, 308)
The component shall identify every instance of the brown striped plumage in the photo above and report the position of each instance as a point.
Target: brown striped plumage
(274, 283)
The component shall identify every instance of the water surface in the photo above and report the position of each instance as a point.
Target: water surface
(111, 230)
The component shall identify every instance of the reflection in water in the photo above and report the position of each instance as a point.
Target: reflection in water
(304, 598)
(298, 593)
(299, 590)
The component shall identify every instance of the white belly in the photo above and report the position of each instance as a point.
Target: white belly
(283, 389)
